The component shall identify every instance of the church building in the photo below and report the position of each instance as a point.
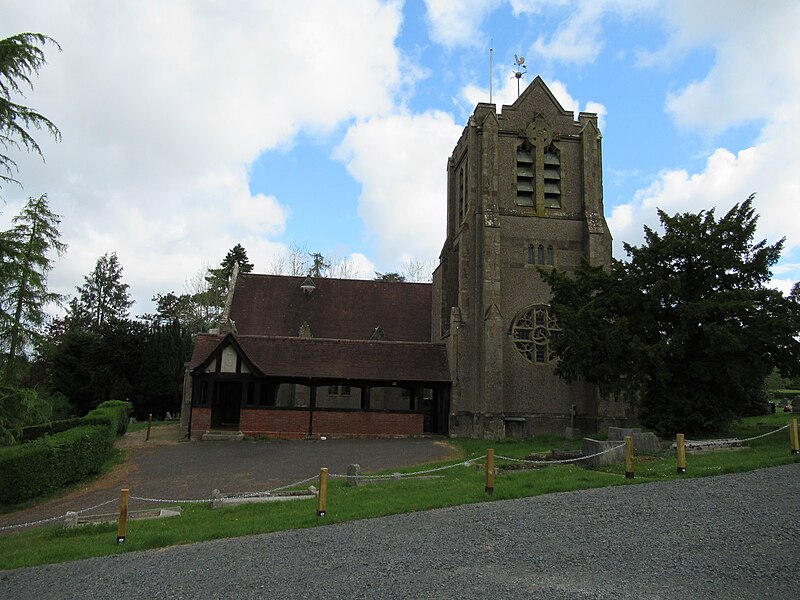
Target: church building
(468, 355)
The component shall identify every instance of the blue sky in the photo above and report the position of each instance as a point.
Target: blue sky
(190, 126)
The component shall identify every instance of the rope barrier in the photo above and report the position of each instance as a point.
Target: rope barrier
(733, 440)
(31, 523)
(560, 461)
(51, 519)
(465, 463)
(765, 434)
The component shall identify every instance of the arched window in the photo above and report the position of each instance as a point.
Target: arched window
(531, 256)
(550, 255)
(540, 254)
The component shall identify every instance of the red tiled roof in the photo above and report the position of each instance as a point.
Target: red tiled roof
(351, 309)
(336, 359)
(204, 345)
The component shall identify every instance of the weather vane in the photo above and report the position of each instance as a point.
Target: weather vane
(521, 69)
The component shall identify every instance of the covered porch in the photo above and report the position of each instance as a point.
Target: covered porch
(303, 388)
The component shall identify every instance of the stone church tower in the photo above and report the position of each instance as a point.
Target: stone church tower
(525, 190)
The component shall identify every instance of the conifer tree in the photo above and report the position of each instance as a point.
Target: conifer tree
(689, 324)
(27, 249)
(103, 296)
(217, 280)
(21, 57)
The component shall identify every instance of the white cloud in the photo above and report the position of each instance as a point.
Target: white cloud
(457, 22)
(577, 40)
(400, 161)
(755, 77)
(363, 267)
(163, 107)
(756, 74)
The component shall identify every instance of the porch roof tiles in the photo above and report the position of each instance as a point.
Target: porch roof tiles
(365, 360)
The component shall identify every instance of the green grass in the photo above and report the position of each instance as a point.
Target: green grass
(460, 485)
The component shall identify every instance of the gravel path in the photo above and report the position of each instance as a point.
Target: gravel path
(731, 536)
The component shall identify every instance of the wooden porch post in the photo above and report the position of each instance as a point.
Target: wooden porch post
(312, 403)
(365, 397)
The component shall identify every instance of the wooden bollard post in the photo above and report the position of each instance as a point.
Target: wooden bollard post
(322, 501)
(122, 528)
(489, 471)
(795, 441)
(681, 444)
(149, 423)
(628, 457)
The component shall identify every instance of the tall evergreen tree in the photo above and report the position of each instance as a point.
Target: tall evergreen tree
(103, 296)
(319, 265)
(21, 57)
(23, 287)
(688, 324)
(217, 280)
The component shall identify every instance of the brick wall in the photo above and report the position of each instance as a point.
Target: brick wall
(294, 423)
(201, 421)
(289, 424)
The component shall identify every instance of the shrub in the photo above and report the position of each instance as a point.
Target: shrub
(51, 462)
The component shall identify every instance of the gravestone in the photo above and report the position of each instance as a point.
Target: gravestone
(354, 475)
(646, 442)
(591, 447)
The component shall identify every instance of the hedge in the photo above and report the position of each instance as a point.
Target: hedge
(99, 416)
(118, 411)
(52, 462)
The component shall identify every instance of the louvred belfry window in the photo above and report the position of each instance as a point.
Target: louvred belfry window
(552, 179)
(525, 176)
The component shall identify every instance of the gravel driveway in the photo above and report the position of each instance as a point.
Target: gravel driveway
(731, 536)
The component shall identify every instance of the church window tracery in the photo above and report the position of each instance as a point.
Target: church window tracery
(532, 332)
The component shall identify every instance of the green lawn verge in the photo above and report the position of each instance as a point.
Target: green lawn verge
(460, 485)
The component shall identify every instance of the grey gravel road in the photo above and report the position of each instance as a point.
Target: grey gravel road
(731, 536)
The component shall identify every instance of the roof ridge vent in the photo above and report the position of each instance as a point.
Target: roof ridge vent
(308, 286)
(379, 334)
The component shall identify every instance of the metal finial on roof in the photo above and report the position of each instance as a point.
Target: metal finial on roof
(521, 69)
